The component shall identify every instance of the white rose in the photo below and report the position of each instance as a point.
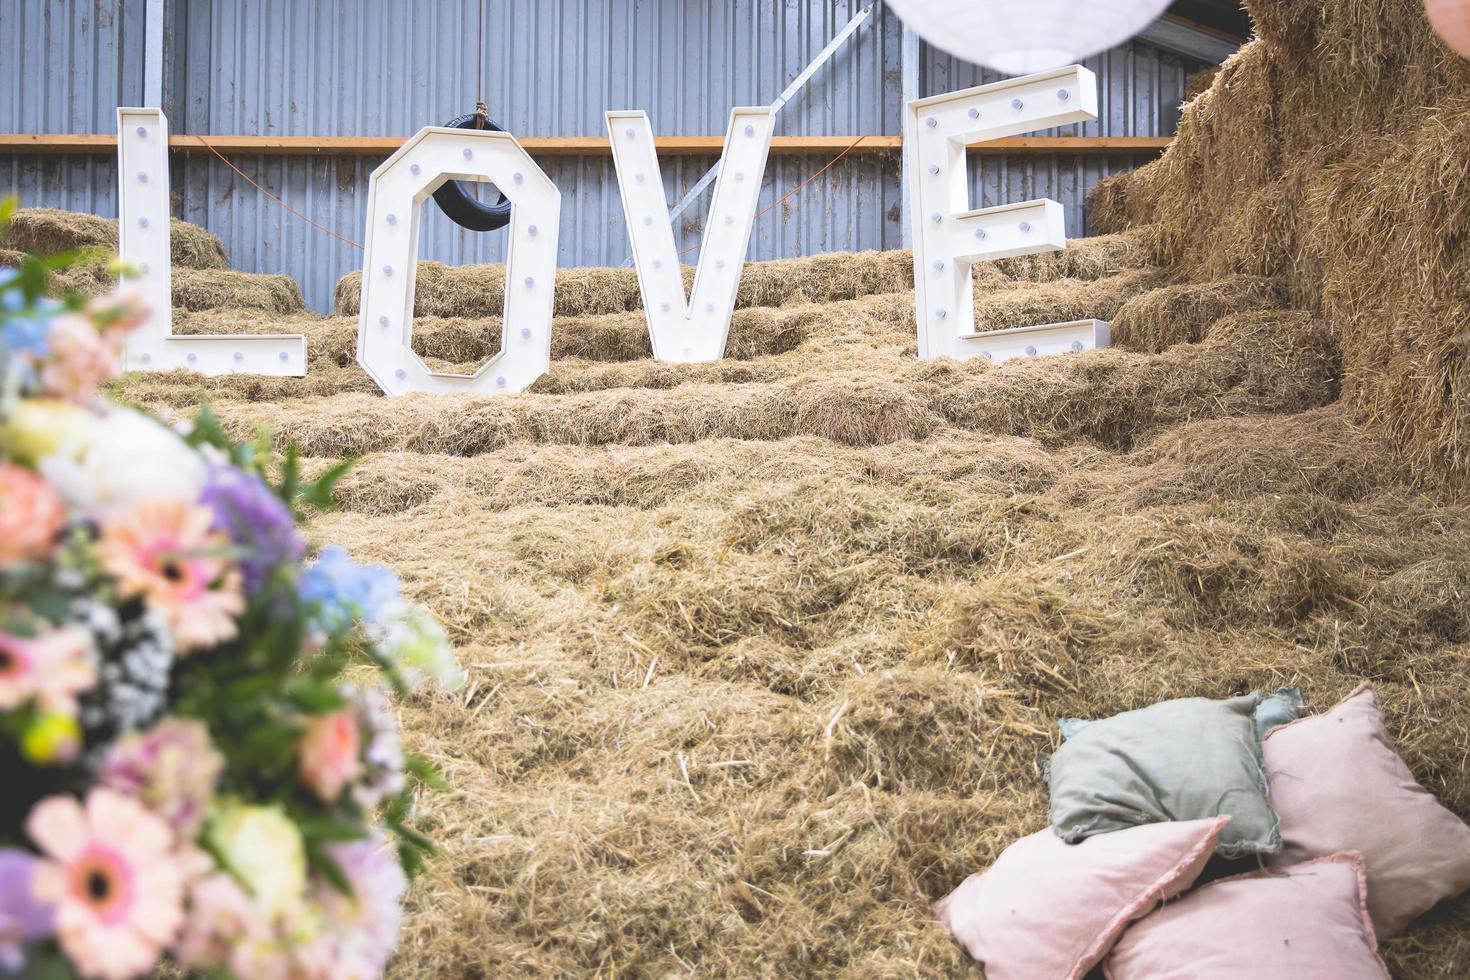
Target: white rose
(129, 458)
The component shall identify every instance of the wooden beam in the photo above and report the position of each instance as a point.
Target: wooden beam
(1188, 38)
(573, 146)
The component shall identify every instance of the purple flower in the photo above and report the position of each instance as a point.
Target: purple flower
(22, 918)
(361, 930)
(256, 520)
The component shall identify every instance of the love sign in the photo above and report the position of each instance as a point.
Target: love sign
(949, 237)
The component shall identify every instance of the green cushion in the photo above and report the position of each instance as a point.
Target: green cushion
(1189, 759)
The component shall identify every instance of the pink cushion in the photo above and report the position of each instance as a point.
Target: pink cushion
(1048, 910)
(1338, 785)
(1305, 921)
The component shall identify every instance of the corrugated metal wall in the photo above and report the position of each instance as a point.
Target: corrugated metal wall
(387, 67)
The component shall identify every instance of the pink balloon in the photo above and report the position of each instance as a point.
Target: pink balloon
(1451, 21)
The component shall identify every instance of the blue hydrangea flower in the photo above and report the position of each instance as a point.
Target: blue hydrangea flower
(344, 591)
(25, 334)
(256, 520)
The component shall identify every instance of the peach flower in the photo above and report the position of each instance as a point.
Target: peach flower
(164, 551)
(80, 357)
(53, 668)
(31, 515)
(115, 878)
(331, 753)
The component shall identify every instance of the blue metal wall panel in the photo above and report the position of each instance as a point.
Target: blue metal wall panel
(551, 68)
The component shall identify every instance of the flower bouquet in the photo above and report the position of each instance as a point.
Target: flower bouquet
(200, 761)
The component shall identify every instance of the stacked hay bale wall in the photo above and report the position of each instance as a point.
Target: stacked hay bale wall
(1333, 155)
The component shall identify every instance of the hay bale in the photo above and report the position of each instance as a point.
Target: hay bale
(1026, 303)
(220, 289)
(1249, 362)
(1197, 83)
(48, 231)
(11, 259)
(1183, 313)
(1083, 258)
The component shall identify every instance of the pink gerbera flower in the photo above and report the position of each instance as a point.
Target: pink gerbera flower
(164, 551)
(115, 878)
(53, 668)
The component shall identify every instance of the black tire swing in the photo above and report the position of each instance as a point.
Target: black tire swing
(458, 202)
(454, 198)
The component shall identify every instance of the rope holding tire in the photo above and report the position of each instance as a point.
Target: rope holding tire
(457, 201)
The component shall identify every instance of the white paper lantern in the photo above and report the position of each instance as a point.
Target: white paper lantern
(1023, 36)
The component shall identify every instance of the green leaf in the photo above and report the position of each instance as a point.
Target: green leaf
(208, 430)
(315, 698)
(324, 864)
(425, 772)
(318, 493)
(413, 837)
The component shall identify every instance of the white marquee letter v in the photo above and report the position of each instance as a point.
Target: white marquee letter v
(696, 329)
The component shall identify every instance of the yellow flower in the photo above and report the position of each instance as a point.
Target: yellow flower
(263, 849)
(41, 427)
(51, 739)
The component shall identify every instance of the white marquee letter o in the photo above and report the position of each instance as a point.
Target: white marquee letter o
(396, 194)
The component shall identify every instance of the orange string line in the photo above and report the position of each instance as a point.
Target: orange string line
(246, 178)
(794, 191)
